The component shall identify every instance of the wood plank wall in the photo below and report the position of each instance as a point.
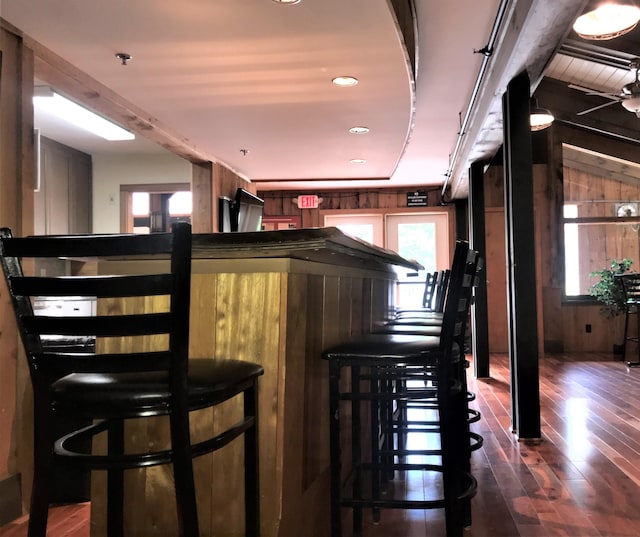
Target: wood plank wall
(16, 212)
(209, 181)
(281, 203)
(562, 324)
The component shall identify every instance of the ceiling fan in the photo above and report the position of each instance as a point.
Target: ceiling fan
(629, 95)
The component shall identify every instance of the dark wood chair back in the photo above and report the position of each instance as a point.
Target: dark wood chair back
(173, 282)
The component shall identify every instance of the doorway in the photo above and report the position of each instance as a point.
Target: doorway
(423, 237)
(150, 208)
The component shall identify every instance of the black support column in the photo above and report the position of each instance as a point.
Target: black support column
(479, 320)
(520, 252)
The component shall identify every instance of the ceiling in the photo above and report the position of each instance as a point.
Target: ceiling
(218, 78)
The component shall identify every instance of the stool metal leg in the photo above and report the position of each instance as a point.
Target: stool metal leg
(251, 457)
(334, 446)
(356, 449)
(115, 482)
(636, 339)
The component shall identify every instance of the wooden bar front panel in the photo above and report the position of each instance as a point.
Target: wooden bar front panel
(282, 318)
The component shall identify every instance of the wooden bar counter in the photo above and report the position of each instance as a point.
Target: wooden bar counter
(276, 298)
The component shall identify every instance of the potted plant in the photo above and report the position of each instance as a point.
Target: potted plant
(608, 291)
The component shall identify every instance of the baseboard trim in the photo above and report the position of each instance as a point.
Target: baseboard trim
(10, 499)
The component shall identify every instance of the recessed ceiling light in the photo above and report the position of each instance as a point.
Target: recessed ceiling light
(357, 161)
(607, 21)
(289, 2)
(345, 81)
(359, 130)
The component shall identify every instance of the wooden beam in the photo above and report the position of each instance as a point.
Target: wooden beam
(601, 165)
(79, 86)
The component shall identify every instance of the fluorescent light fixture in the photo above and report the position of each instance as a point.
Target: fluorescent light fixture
(288, 2)
(359, 130)
(54, 103)
(345, 81)
(608, 21)
(357, 161)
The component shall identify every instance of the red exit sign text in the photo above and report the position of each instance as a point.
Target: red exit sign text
(308, 202)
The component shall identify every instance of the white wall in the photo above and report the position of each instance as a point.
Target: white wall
(111, 171)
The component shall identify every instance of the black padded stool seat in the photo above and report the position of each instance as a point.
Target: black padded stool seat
(103, 395)
(410, 329)
(372, 348)
(429, 318)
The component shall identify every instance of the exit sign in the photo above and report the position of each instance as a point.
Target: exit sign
(308, 202)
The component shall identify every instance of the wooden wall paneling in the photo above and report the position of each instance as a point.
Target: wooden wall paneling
(17, 181)
(367, 200)
(496, 280)
(549, 203)
(546, 232)
(228, 181)
(273, 205)
(225, 183)
(550, 208)
(126, 212)
(10, 505)
(204, 214)
(65, 193)
(340, 200)
(81, 195)
(494, 186)
(599, 144)
(387, 200)
(310, 218)
(604, 334)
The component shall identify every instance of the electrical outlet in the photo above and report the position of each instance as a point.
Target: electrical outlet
(587, 328)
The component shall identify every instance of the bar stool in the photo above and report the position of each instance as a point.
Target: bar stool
(108, 387)
(630, 283)
(385, 362)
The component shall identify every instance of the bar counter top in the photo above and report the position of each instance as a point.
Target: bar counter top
(323, 245)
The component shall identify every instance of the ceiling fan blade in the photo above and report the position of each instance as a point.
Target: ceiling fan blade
(595, 108)
(589, 91)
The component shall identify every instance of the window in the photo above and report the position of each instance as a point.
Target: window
(601, 223)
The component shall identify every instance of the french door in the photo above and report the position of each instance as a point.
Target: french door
(425, 238)
(420, 236)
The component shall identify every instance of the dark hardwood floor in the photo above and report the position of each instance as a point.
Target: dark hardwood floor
(581, 479)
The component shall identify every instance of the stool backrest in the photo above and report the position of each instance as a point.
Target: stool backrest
(429, 290)
(440, 292)
(129, 318)
(630, 283)
(462, 279)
